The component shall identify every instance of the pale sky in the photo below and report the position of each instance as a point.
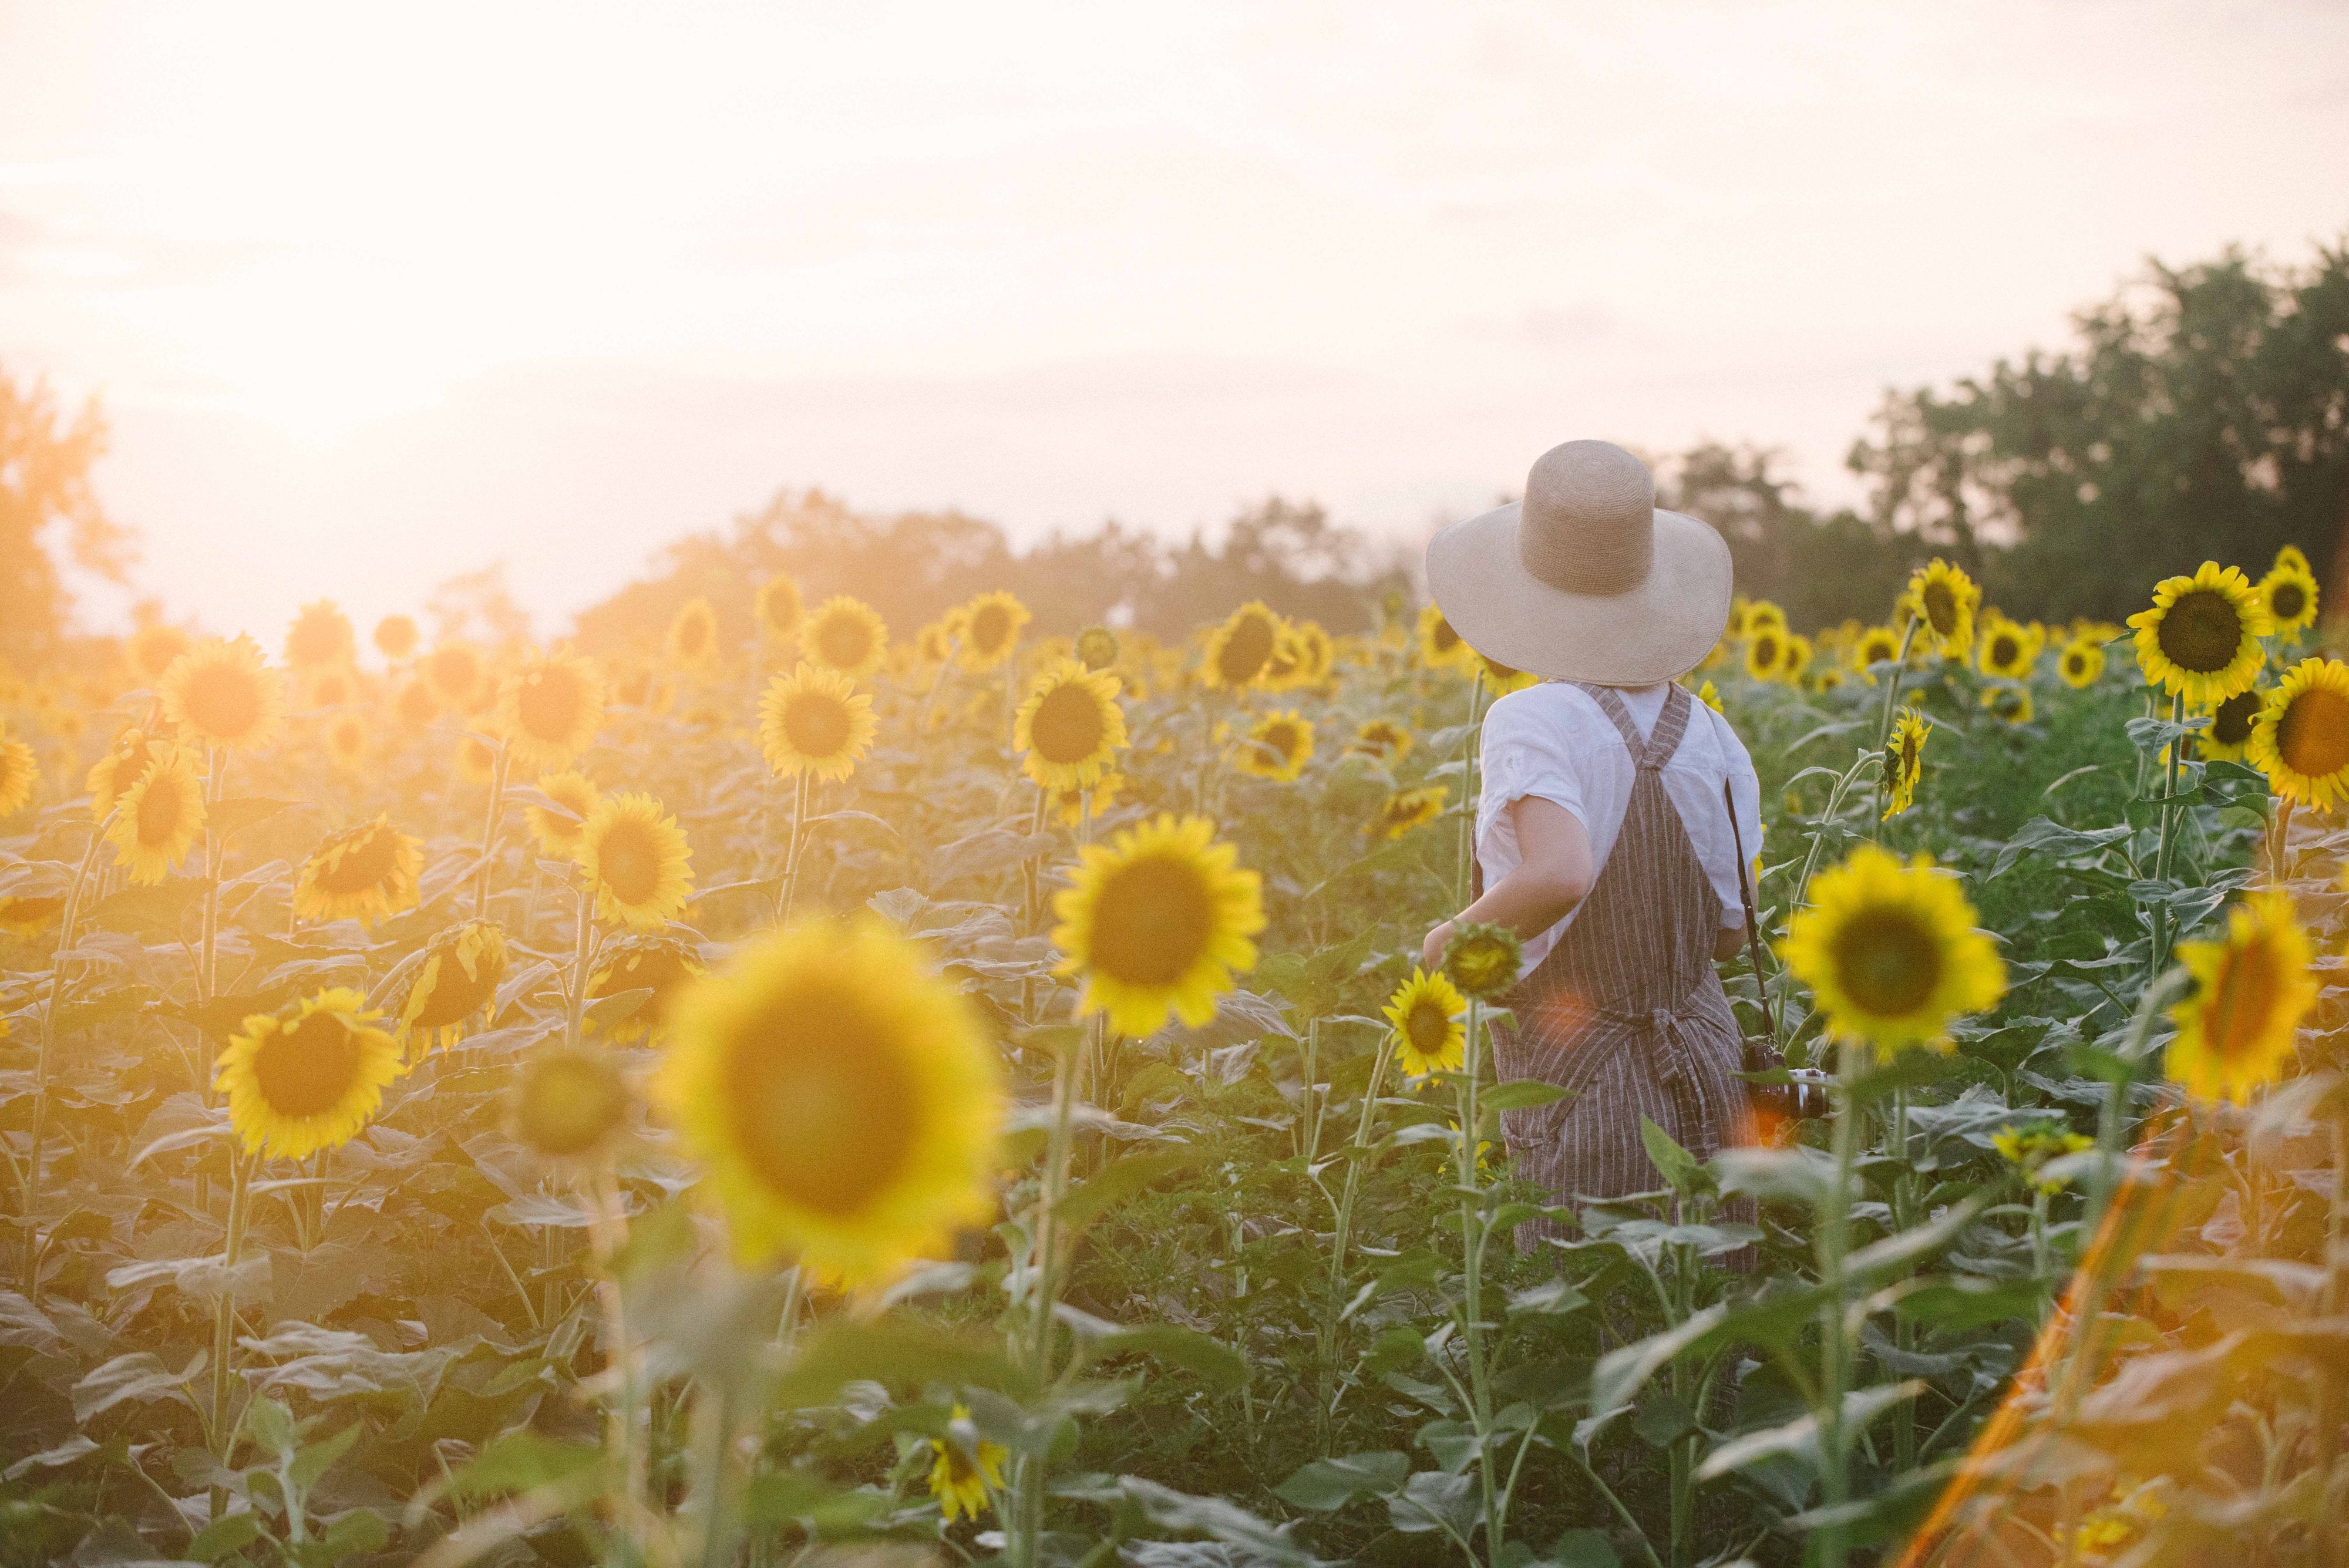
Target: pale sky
(375, 294)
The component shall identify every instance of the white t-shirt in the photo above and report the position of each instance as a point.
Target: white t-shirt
(1555, 742)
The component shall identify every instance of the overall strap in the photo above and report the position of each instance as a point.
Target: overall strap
(1651, 751)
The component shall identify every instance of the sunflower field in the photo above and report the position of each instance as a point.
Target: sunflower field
(929, 1095)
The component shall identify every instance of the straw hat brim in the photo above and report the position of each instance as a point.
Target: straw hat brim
(1660, 630)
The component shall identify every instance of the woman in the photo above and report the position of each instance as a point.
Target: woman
(1602, 837)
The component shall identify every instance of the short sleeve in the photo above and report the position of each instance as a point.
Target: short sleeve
(1521, 758)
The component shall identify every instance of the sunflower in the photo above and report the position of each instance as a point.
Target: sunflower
(2251, 988)
(1766, 653)
(845, 635)
(2201, 637)
(692, 639)
(1710, 696)
(1441, 647)
(1890, 952)
(965, 1468)
(1240, 651)
(2007, 649)
(310, 1081)
(1903, 762)
(558, 836)
(1286, 667)
(1502, 679)
(1157, 922)
(330, 687)
(814, 721)
(1069, 804)
(549, 709)
(395, 636)
(152, 649)
(2030, 1148)
(991, 629)
(662, 965)
(1944, 597)
(361, 873)
(1874, 646)
(842, 1096)
(125, 763)
(29, 914)
(157, 819)
(416, 706)
(568, 1103)
(2300, 740)
(1097, 647)
(2230, 733)
(1407, 809)
(1425, 1011)
(320, 637)
(20, 775)
(220, 693)
(1762, 616)
(346, 740)
(1383, 739)
(456, 674)
(935, 643)
(460, 977)
(1070, 726)
(1277, 747)
(1483, 961)
(2289, 555)
(638, 859)
(2289, 594)
(476, 760)
(778, 608)
(1796, 660)
(2082, 663)
(1733, 630)
(2012, 703)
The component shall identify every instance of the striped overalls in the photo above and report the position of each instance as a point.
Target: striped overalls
(1627, 1011)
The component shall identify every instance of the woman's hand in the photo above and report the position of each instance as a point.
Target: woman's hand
(1431, 951)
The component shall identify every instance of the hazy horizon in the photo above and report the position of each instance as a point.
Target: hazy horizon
(370, 305)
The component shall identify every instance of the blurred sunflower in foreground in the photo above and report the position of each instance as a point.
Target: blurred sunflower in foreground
(1890, 952)
(300, 1084)
(2251, 988)
(842, 1098)
(568, 1103)
(1157, 922)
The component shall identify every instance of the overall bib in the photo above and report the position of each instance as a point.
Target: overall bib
(1627, 1012)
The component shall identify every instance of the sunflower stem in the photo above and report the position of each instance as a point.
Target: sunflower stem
(575, 1023)
(490, 817)
(1341, 1231)
(241, 1168)
(605, 1236)
(1475, 1231)
(1028, 1519)
(1835, 1346)
(41, 1061)
(2162, 934)
(792, 850)
(215, 772)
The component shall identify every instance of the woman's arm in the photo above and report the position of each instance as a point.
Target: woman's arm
(1552, 878)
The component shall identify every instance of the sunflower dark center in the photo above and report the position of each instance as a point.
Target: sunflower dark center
(845, 641)
(1068, 728)
(1887, 963)
(2005, 651)
(456, 995)
(1444, 638)
(162, 805)
(1096, 649)
(1245, 651)
(2201, 631)
(368, 857)
(1766, 650)
(1153, 922)
(1426, 1025)
(549, 704)
(628, 862)
(567, 1104)
(1940, 608)
(1284, 739)
(2231, 723)
(990, 628)
(2287, 601)
(816, 723)
(306, 1069)
(820, 1099)
(2243, 996)
(224, 701)
(2313, 736)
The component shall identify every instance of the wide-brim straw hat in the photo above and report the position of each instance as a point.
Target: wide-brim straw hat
(1586, 578)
